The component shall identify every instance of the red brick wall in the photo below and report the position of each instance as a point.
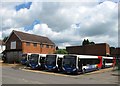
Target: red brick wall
(47, 50)
(97, 49)
(37, 49)
(75, 50)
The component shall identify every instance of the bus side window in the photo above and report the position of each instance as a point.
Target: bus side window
(84, 62)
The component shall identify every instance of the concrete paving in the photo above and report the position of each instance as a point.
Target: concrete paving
(19, 75)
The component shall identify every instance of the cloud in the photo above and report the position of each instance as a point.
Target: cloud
(98, 22)
(62, 39)
(8, 31)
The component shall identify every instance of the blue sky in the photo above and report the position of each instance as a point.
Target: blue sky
(65, 24)
(23, 5)
(31, 26)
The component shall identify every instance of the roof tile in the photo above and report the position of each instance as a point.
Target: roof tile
(32, 38)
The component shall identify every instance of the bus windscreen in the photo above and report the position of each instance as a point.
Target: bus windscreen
(51, 60)
(34, 58)
(24, 57)
(69, 61)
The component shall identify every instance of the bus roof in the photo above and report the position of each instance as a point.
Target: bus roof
(59, 55)
(83, 56)
(44, 55)
(86, 56)
(107, 57)
(27, 53)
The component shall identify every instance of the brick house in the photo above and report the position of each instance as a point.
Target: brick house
(94, 49)
(20, 42)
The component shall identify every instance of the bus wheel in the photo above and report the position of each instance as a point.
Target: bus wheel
(97, 68)
(78, 72)
(84, 70)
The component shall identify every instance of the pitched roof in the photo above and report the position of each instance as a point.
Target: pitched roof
(32, 38)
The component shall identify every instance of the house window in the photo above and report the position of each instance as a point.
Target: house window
(47, 46)
(52, 46)
(13, 45)
(27, 43)
(41, 45)
(35, 44)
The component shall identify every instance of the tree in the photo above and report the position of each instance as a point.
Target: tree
(84, 42)
(5, 38)
(87, 42)
(92, 43)
(57, 48)
(61, 51)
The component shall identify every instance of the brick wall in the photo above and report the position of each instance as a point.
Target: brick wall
(97, 49)
(75, 50)
(37, 49)
(49, 50)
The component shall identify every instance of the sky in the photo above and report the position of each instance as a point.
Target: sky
(65, 23)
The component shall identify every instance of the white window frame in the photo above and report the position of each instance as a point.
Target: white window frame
(13, 45)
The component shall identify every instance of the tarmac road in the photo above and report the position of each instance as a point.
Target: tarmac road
(14, 75)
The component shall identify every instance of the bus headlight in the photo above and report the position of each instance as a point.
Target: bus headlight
(39, 64)
(36, 66)
(54, 67)
(63, 68)
(30, 65)
(74, 69)
(45, 66)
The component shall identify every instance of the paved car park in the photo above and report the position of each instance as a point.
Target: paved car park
(17, 74)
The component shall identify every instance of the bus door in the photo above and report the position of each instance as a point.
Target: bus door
(59, 62)
(80, 65)
(42, 62)
(103, 63)
(28, 60)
